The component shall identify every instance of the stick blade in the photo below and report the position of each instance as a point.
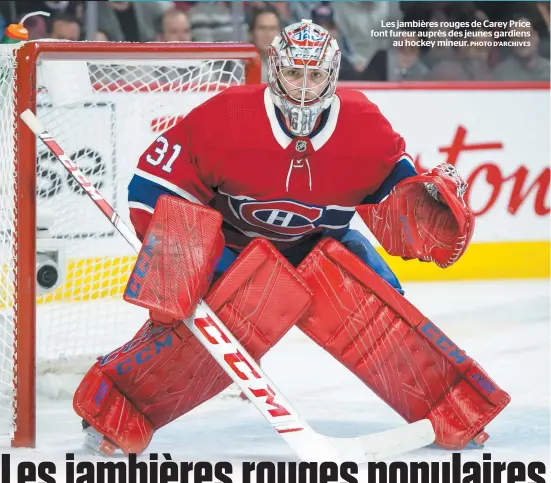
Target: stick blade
(386, 444)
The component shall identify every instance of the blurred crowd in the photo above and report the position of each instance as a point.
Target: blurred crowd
(364, 56)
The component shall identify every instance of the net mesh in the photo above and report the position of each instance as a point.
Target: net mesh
(104, 113)
(7, 242)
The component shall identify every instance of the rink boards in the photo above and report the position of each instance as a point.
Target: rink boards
(498, 138)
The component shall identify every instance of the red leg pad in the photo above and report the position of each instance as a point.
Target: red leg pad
(164, 372)
(396, 351)
(100, 403)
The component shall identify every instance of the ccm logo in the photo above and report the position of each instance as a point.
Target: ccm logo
(434, 334)
(486, 385)
(141, 267)
(101, 393)
(239, 364)
(147, 353)
(89, 187)
(139, 340)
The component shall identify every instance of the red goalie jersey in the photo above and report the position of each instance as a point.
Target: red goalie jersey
(234, 154)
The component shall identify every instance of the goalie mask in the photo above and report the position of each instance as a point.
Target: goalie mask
(303, 67)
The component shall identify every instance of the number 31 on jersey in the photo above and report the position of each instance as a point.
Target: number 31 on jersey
(161, 150)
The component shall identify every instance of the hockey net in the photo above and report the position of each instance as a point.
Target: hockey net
(63, 271)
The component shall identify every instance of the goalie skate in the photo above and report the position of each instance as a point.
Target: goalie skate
(95, 442)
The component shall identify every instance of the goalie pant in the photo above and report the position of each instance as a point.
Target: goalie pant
(357, 317)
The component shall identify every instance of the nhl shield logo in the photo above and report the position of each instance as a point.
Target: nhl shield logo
(301, 146)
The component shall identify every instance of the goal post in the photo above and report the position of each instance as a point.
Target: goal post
(106, 101)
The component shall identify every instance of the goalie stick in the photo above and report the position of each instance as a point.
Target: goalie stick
(259, 389)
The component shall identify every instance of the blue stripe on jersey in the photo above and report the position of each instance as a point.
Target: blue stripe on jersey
(147, 192)
(402, 170)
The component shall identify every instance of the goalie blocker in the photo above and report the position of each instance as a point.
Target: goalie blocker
(357, 317)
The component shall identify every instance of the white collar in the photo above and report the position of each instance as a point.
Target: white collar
(318, 140)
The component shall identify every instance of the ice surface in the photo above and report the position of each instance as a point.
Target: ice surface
(503, 325)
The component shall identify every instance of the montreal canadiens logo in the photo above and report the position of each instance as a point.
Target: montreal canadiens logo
(288, 218)
(284, 217)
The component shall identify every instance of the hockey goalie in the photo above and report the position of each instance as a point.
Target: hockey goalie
(246, 203)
